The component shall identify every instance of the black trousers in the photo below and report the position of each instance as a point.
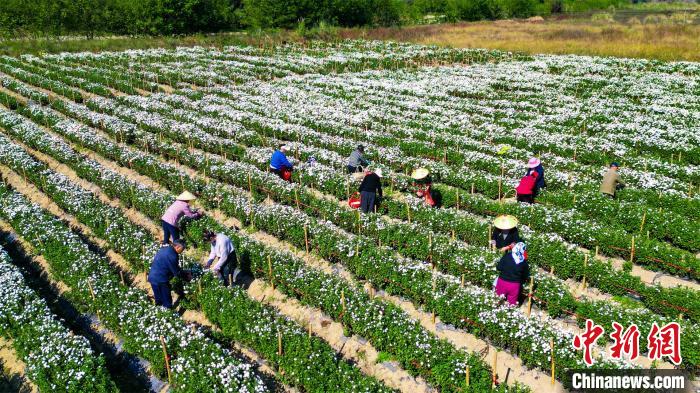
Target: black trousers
(529, 198)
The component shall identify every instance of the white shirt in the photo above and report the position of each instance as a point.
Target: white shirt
(221, 248)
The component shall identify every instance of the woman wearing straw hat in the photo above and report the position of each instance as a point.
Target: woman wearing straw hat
(179, 208)
(505, 235)
(535, 165)
(513, 271)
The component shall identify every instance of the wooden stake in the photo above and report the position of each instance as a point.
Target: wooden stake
(306, 239)
(489, 239)
(551, 269)
(632, 251)
(92, 293)
(585, 264)
(529, 296)
(462, 282)
(551, 346)
(472, 188)
(466, 373)
(167, 360)
(199, 286)
(644, 218)
(408, 212)
(269, 271)
(342, 300)
(279, 343)
(495, 366)
(596, 251)
(250, 185)
(309, 328)
(453, 235)
(296, 197)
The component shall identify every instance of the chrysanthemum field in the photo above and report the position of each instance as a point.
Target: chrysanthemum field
(95, 146)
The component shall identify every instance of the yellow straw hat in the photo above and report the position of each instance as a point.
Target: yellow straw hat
(186, 196)
(505, 222)
(420, 173)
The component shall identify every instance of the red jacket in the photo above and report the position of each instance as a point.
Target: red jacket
(527, 184)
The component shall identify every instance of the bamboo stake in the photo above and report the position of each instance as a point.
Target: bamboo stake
(585, 265)
(493, 368)
(632, 252)
(121, 274)
(551, 346)
(596, 251)
(408, 212)
(472, 188)
(269, 271)
(529, 296)
(250, 185)
(296, 197)
(167, 360)
(466, 373)
(306, 239)
(309, 328)
(644, 217)
(461, 284)
(199, 286)
(453, 235)
(279, 343)
(342, 300)
(489, 239)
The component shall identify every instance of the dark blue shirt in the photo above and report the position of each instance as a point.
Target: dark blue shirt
(165, 266)
(279, 160)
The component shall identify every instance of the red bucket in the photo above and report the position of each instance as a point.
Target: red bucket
(354, 201)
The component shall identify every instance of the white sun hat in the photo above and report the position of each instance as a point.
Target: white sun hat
(378, 172)
(505, 222)
(186, 196)
(420, 173)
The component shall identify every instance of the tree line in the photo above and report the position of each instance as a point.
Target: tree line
(21, 18)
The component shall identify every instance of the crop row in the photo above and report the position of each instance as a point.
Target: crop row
(56, 359)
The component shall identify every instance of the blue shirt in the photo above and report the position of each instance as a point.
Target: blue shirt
(279, 160)
(165, 266)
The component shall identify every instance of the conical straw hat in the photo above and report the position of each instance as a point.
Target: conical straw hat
(505, 222)
(420, 173)
(186, 196)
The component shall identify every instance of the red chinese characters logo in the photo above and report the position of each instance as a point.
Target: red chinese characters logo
(588, 338)
(625, 343)
(665, 341)
(662, 342)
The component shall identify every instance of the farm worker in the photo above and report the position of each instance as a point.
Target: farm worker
(223, 249)
(505, 234)
(611, 181)
(279, 163)
(370, 187)
(513, 271)
(535, 165)
(356, 161)
(165, 266)
(526, 187)
(179, 208)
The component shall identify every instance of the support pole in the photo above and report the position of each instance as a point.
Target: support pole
(529, 296)
(167, 359)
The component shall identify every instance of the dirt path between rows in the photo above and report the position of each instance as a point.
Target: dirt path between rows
(15, 367)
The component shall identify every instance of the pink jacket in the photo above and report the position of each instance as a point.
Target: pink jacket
(177, 210)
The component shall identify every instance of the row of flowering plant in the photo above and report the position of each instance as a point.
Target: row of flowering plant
(56, 358)
(373, 323)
